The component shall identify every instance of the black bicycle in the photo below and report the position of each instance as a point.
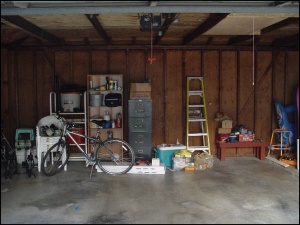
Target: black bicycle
(113, 156)
(8, 156)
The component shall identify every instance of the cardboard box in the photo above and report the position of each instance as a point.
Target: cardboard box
(155, 162)
(226, 124)
(140, 91)
(224, 130)
(246, 137)
(144, 169)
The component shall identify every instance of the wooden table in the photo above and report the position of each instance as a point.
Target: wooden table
(260, 148)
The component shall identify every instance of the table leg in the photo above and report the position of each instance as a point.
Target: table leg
(222, 152)
(257, 152)
(262, 153)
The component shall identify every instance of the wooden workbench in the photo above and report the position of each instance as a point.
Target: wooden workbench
(260, 148)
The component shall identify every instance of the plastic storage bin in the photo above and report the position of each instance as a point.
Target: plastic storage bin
(165, 153)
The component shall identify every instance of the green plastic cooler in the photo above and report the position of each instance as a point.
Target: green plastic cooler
(165, 153)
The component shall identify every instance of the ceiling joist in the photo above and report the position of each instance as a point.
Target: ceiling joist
(168, 21)
(93, 19)
(31, 28)
(239, 39)
(212, 20)
(280, 24)
(287, 40)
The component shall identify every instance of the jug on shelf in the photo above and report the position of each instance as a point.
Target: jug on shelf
(118, 121)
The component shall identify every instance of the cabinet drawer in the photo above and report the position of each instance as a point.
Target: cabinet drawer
(137, 124)
(141, 139)
(140, 108)
(143, 153)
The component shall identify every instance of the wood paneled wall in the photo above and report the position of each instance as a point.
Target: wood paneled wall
(27, 78)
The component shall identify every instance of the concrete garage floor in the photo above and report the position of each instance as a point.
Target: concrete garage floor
(239, 190)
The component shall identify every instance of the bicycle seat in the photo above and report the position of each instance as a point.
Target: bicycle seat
(100, 123)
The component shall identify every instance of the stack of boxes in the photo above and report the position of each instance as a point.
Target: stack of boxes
(224, 130)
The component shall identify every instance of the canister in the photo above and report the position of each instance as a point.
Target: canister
(115, 85)
(111, 85)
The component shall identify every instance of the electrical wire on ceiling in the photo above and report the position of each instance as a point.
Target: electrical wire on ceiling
(253, 54)
(151, 59)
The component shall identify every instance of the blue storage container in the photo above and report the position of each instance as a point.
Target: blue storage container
(165, 153)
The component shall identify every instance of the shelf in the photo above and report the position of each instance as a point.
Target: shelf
(73, 113)
(81, 119)
(98, 108)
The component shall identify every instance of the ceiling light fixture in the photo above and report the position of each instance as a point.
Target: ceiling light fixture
(176, 20)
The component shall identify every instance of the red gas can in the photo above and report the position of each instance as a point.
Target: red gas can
(78, 139)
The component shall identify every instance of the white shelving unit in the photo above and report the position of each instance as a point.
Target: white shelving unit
(76, 118)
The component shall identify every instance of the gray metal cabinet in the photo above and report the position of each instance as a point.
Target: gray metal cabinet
(140, 128)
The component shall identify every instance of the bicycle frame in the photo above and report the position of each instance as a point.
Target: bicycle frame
(3, 138)
(95, 140)
(8, 155)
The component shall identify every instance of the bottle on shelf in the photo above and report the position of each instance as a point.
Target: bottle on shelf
(106, 116)
(118, 121)
(111, 85)
(107, 83)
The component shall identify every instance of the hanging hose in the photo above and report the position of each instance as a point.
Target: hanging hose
(57, 91)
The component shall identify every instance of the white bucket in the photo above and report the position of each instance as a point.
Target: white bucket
(70, 100)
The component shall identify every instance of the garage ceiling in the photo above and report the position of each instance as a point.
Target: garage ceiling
(118, 23)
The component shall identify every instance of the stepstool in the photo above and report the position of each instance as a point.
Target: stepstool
(280, 144)
(23, 144)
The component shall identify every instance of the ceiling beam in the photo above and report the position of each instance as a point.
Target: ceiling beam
(15, 44)
(196, 7)
(239, 39)
(168, 21)
(280, 24)
(287, 41)
(93, 19)
(213, 19)
(31, 28)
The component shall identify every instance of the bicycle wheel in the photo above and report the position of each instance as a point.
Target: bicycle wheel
(115, 156)
(55, 158)
(10, 163)
(11, 168)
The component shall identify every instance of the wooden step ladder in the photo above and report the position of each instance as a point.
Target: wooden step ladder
(197, 136)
